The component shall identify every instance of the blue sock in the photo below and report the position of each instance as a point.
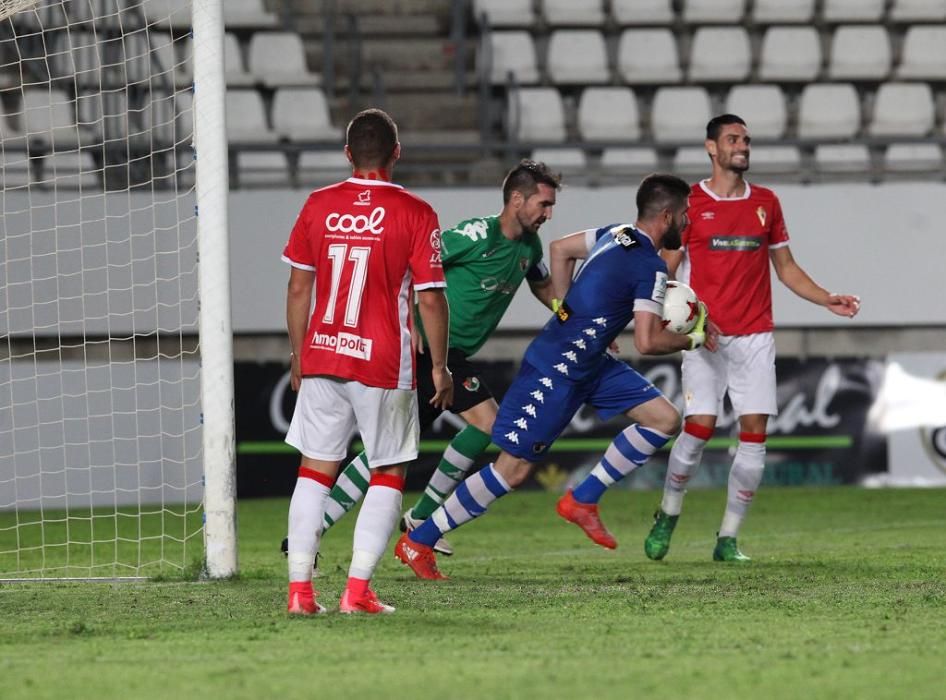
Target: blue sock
(469, 501)
(629, 450)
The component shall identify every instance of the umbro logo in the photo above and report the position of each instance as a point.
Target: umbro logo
(708, 215)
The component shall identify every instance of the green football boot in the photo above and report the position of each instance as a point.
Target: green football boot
(657, 543)
(727, 550)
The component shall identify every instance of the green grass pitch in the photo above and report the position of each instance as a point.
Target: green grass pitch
(845, 598)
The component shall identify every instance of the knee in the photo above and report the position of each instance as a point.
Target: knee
(667, 421)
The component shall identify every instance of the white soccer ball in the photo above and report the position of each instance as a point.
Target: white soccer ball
(681, 308)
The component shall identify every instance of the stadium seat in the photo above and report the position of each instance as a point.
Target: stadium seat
(762, 107)
(842, 158)
(719, 54)
(783, 11)
(504, 13)
(246, 118)
(608, 114)
(918, 11)
(852, 10)
(775, 160)
(568, 161)
(168, 14)
(913, 157)
(301, 114)
(154, 58)
(536, 115)
(104, 113)
(692, 162)
(576, 57)
(648, 56)
(247, 14)
(70, 169)
(923, 56)
(78, 56)
(713, 11)
(680, 114)
(513, 52)
(262, 169)
(630, 161)
(278, 59)
(829, 112)
(790, 54)
(167, 119)
(15, 168)
(573, 13)
(628, 12)
(322, 167)
(903, 109)
(10, 136)
(49, 117)
(236, 74)
(859, 53)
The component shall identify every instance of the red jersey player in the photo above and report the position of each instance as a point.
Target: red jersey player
(366, 245)
(735, 230)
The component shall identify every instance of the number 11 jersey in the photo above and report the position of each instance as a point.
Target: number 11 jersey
(370, 244)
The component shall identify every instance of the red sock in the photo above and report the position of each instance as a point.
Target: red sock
(358, 587)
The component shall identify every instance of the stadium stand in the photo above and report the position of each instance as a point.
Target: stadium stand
(505, 13)
(513, 53)
(860, 53)
(719, 54)
(573, 13)
(713, 11)
(236, 73)
(918, 11)
(923, 55)
(648, 56)
(277, 59)
(637, 12)
(783, 11)
(852, 10)
(577, 57)
(790, 54)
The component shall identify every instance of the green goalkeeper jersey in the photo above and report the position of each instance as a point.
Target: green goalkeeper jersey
(483, 270)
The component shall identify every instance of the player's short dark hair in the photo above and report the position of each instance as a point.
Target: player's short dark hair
(658, 192)
(371, 137)
(716, 124)
(526, 177)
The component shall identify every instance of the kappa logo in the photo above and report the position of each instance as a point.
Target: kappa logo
(364, 199)
(356, 223)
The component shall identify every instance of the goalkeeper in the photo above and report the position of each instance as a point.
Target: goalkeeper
(568, 365)
(485, 260)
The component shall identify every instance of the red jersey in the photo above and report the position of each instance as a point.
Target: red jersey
(727, 248)
(369, 243)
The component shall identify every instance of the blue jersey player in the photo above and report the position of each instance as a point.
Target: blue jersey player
(568, 365)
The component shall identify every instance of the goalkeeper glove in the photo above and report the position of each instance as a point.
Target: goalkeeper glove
(698, 335)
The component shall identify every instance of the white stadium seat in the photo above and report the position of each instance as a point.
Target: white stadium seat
(852, 10)
(713, 11)
(790, 54)
(692, 161)
(860, 53)
(72, 169)
(235, 70)
(923, 56)
(536, 115)
(719, 54)
(504, 13)
(829, 111)
(903, 109)
(323, 167)
(247, 14)
(680, 114)
(913, 157)
(772, 160)
(246, 118)
(569, 161)
(918, 11)
(648, 56)
(608, 114)
(278, 59)
(49, 116)
(629, 160)
(573, 13)
(628, 12)
(167, 119)
(513, 52)
(762, 107)
(15, 168)
(576, 57)
(783, 11)
(173, 14)
(262, 168)
(302, 114)
(842, 158)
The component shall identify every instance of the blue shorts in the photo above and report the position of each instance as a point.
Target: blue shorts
(538, 407)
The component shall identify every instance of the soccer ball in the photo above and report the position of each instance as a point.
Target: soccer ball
(681, 308)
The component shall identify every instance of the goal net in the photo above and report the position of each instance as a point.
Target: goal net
(101, 439)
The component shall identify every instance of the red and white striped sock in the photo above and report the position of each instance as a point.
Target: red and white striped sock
(305, 521)
(379, 513)
(684, 460)
(744, 479)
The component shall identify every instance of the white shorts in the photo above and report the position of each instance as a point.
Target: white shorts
(743, 366)
(328, 409)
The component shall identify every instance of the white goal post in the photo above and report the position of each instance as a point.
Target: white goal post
(117, 448)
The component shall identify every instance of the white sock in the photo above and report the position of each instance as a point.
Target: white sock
(685, 457)
(305, 526)
(744, 479)
(379, 513)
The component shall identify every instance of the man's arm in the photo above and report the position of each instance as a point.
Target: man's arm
(673, 258)
(435, 315)
(795, 278)
(298, 304)
(543, 291)
(651, 338)
(563, 253)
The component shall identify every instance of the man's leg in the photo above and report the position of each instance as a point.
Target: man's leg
(744, 479)
(349, 488)
(656, 422)
(470, 500)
